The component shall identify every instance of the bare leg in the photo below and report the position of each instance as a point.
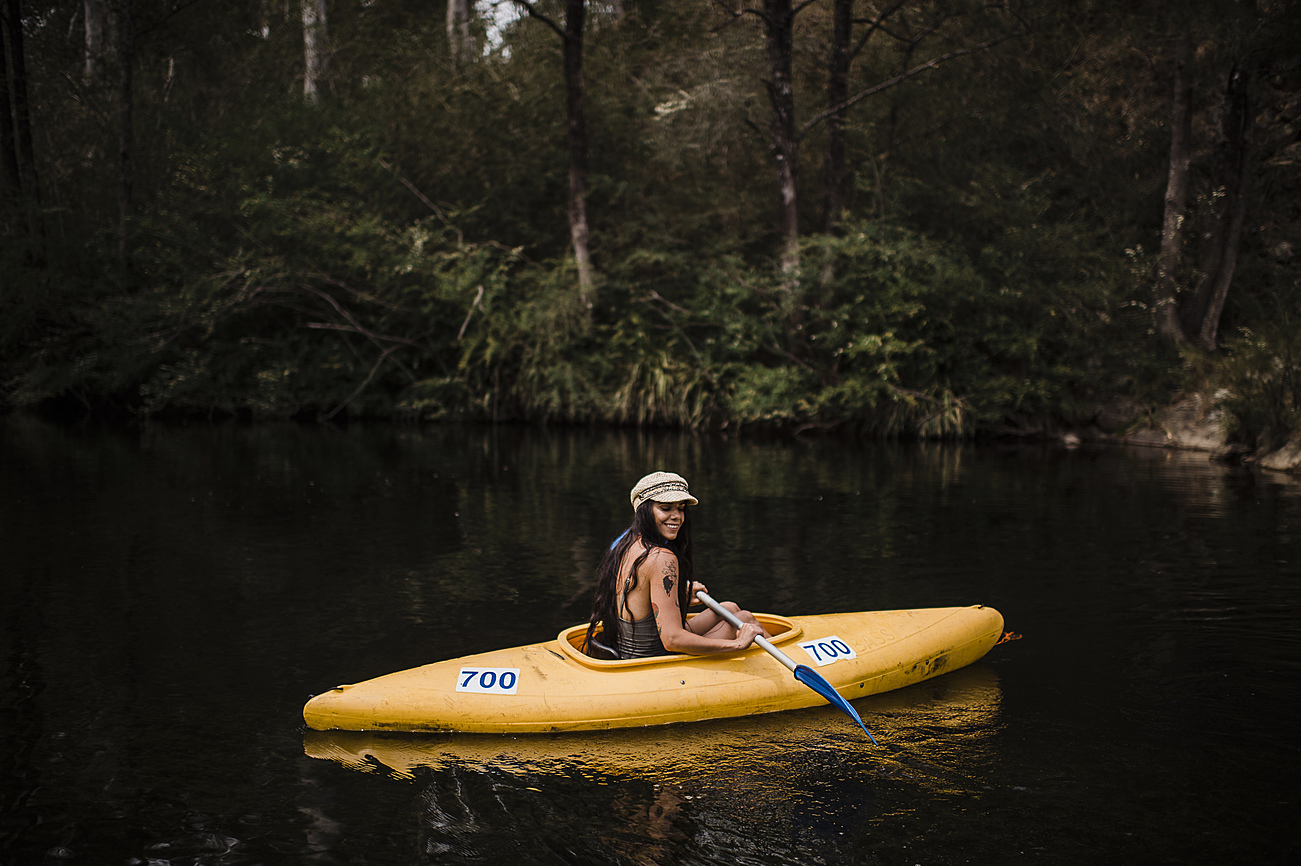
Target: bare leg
(710, 624)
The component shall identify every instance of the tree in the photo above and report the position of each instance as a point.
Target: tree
(1231, 179)
(778, 18)
(94, 12)
(571, 37)
(315, 35)
(1165, 309)
(911, 35)
(19, 155)
(12, 180)
(1195, 268)
(833, 163)
(840, 58)
(126, 105)
(778, 21)
(459, 40)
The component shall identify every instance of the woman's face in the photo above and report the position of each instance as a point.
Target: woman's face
(669, 517)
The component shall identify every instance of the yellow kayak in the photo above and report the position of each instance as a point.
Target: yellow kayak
(961, 706)
(554, 686)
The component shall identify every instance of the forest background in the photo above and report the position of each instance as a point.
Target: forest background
(907, 217)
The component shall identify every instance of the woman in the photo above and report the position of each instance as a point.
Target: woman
(644, 583)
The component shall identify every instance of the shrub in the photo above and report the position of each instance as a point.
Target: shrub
(1259, 376)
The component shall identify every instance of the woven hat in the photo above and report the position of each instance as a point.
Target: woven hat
(661, 487)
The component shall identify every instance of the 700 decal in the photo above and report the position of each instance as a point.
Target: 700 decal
(488, 681)
(826, 650)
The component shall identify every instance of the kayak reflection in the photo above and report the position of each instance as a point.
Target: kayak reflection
(928, 722)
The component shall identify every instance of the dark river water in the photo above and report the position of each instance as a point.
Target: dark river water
(171, 595)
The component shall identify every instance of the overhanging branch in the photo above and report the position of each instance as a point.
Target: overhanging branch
(875, 25)
(897, 80)
(532, 12)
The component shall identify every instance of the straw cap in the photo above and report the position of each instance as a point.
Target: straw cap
(661, 487)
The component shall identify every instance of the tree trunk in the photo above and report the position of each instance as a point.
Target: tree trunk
(1232, 170)
(574, 103)
(21, 111)
(459, 41)
(22, 116)
(314, 48)
(571, 36)
(1165, 309)
(94, 11)
(779, 19)
(127, 32)
(833, 167)
(13, 185)
(28, 188)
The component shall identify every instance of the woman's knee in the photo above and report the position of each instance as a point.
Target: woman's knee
(736, 610)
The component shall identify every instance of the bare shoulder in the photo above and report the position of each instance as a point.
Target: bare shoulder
(661, 572)
(661, 558)
(658, 561)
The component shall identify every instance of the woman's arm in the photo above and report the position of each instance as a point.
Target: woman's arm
(660, 570)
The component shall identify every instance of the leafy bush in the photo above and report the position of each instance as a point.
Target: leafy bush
(1260, 380)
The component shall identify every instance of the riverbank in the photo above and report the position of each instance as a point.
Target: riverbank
(1193, 422)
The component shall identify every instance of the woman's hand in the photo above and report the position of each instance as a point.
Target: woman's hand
(749, 631)
(697, 586)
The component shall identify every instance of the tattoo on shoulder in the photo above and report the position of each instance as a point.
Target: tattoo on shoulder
(670, 575)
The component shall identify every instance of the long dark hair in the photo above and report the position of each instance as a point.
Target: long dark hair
(605, 607)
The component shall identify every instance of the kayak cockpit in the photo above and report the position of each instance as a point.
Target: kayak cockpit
(571, 643)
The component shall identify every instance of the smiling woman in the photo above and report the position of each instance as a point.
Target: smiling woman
(646, 582)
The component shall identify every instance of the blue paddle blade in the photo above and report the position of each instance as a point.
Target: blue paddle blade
(818, 683)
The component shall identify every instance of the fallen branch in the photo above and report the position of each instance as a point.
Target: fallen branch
(898, 79)
(359, 388)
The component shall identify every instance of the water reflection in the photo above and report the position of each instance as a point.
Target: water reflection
(668, 786)
(957, 705)
(171, 596)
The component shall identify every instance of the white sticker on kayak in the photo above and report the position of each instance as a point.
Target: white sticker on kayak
(488, 681)
(826, 650)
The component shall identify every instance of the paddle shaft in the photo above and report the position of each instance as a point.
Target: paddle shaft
(736, 623)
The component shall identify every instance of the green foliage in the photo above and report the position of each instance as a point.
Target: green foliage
(522, 356)
(846, 339)
(1260, 378)
(897, 334)
(402, 249)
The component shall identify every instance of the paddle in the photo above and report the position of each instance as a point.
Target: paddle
(804, 674)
